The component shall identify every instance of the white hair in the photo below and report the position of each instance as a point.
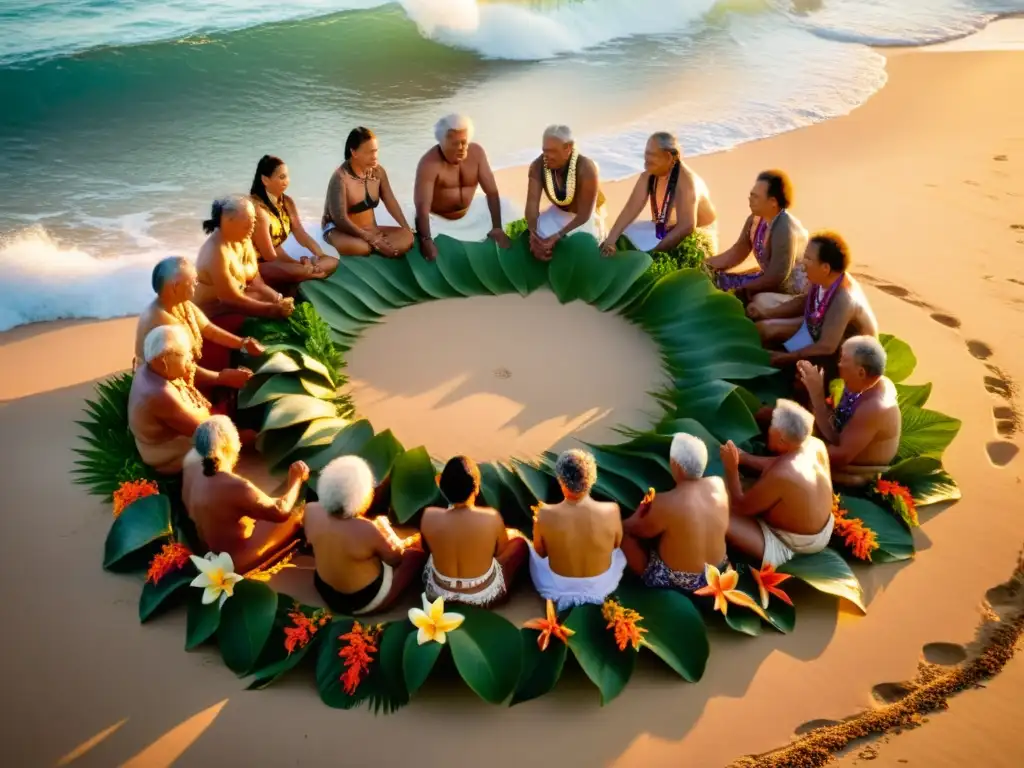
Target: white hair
(164, 339)
(690, 454)
(577, 471)
(792, 421)
(668, 142)
(345, 487)
(214, 439)
(868, 353)
(450, 123)
(562, 133)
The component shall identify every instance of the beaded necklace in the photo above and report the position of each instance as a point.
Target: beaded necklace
(551, 185)
(845, 409)
(817, 305)
(188, 391)
(660, 217)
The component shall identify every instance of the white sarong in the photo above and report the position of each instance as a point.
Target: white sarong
(388, 576)
(567, 591)
(643, 235)
(553, 219)
(781, 546)
(453, 590)
(473, 227)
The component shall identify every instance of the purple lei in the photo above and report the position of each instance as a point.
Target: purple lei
(816, 307)
(845, 409)
(660, 218)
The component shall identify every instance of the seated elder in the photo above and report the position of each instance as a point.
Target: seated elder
(447, 178)
(277, 219)
(354, 191)
(361, 565)
(231, 514)
(788, 511)
(776, 238)
(473, 557)
(229, 281)
(174, 281)
(576, 556)
(835, 307)
(164, 407)
(669, 543)
(679, 201)
(571, 184)
(863, 430)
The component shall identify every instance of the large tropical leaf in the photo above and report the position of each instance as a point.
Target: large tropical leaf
(926, 480)
(276, 660)
(895, 541)
(540, 669)
(594, 647)
(346, 442)
(380, 452)
(487, 653)
(827, 572)
(926, 433)
(453, 262)
(418, 661)
(202, 622)
(245, 623)
(400, 275)
(133, 537)
(913, 394)
(627, 269)
(277, 386)
(675, 630)
(413, 486)
(576, 269)
(156, 597)
(717, 404)
(486, 265)
(525, 272)
(429, 276)
(900, 359)
(289, 410)
(382, 687)
(364, 271)
(278, 363)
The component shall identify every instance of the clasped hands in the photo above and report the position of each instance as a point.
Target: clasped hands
(543, 248)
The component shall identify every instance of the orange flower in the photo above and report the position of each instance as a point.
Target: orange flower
(722, 586)
(645, 503)
(303, 628)
(548, 627)
(362, 643)
(861, 540)
(624, 622)
(131, 491)
(901, 498)
(768, 581)
(172, 557)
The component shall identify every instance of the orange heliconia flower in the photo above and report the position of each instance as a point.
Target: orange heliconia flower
(130, 491)
(624, 622)
(901, 499)
(768, 580)
(722, 586)
(362, 643)
(549, 627)
(303, 628)
(860, 539)
(172, 557)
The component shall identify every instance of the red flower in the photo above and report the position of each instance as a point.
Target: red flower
(303, 628)
(172, 557)
(358, 655)
(900, 498)
(625, 623)
(131, 491)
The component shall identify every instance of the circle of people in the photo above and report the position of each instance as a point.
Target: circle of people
(810, 312)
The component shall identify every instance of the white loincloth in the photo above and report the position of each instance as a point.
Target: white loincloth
(553, 219)
(453, 590)
(800, 339)
(642, 235)
(781, 546)
(567, 591)
(388, 575)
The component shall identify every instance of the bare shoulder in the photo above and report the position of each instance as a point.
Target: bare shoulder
(537, 168)
(477, 152)
(430, 161)
(609, 508)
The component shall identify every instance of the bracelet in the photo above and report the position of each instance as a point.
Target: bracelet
(245, 341)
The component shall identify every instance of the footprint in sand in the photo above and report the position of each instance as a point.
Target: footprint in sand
(887, 693)
(944, 654)
(1017, 226)
(812, 725)
(979, 349)
(1000, 158)
(1002, 598)
(1015, 280)
(1001, 452)
(947, 320)
(997, 385)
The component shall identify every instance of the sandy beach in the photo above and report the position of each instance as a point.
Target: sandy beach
(926, 182)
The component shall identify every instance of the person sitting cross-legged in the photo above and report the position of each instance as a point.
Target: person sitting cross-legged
(473, 558)
(576, 556)
(361, 564)
(668, 543)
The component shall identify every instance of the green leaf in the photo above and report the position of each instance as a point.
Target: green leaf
(487, 652)
(927, 482)
(540, 669)
(266, 675)
(330, 667)
(353, 294)
(525, 272)
(388, 691)
(348, 441)
(343, 298)
(895, 541)
(418, 661)
(484, 261)
(634, 295)
(275, 661)
(132, 537)
(246, 620)
(743, 620)
(453, 262)
(594, 647)
(925, 433)
(629, 267)
(278, 363)
(900, 359)
(827, 572)
(718, 405)
(912, 394)
(577, 268)
(400, 275)
(277, 386)
(380, 453)
(675, 630)
(365, 271)
(203, 620)
(289, 410)
(428, 275)
(412, 483)
(154, 597)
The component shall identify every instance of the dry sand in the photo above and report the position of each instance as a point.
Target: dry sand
(927, 183)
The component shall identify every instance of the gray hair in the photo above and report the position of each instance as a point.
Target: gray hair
(164, 339)
(214, 439)
(345, 487)
(454, 122)
(868, 353)
(792, 421)
(690, 454)
(166, 270)
(668, 142)
(562, 133)
(229, 206)
(577, 471)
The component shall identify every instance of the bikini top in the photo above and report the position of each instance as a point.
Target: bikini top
(367, 203)
(280, 221)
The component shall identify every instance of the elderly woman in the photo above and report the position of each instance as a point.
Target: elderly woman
(679, 201)
(361, 565)
(231, 514)
(353, 193)
(277, 219)
(164, 407)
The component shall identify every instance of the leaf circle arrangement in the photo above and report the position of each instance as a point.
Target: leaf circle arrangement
(719, 377)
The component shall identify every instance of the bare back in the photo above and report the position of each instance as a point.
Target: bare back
(579, 537)
(695, 515)
(462, 540)
(802, 483)
(455, 184)
(688, 179)
(347, 550)
(879, 408)
(154, 407)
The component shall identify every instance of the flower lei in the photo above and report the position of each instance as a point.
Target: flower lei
(570, 181)
(861, 540)
(817, 305)
(188, 390)
(844, 410)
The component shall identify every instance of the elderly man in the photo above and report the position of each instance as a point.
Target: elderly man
(863, 429)
(570, 182)
(174, 282)
(231, 514)
(164, 407)
(835, 307)
(788, 511)
(683, 529)
(679, 200)
(576, 556)
(776, 238)
(361, 564)
(473, 557)
(446, 180)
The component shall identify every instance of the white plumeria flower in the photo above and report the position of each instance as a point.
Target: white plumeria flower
(217, 577)
(432, 622)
